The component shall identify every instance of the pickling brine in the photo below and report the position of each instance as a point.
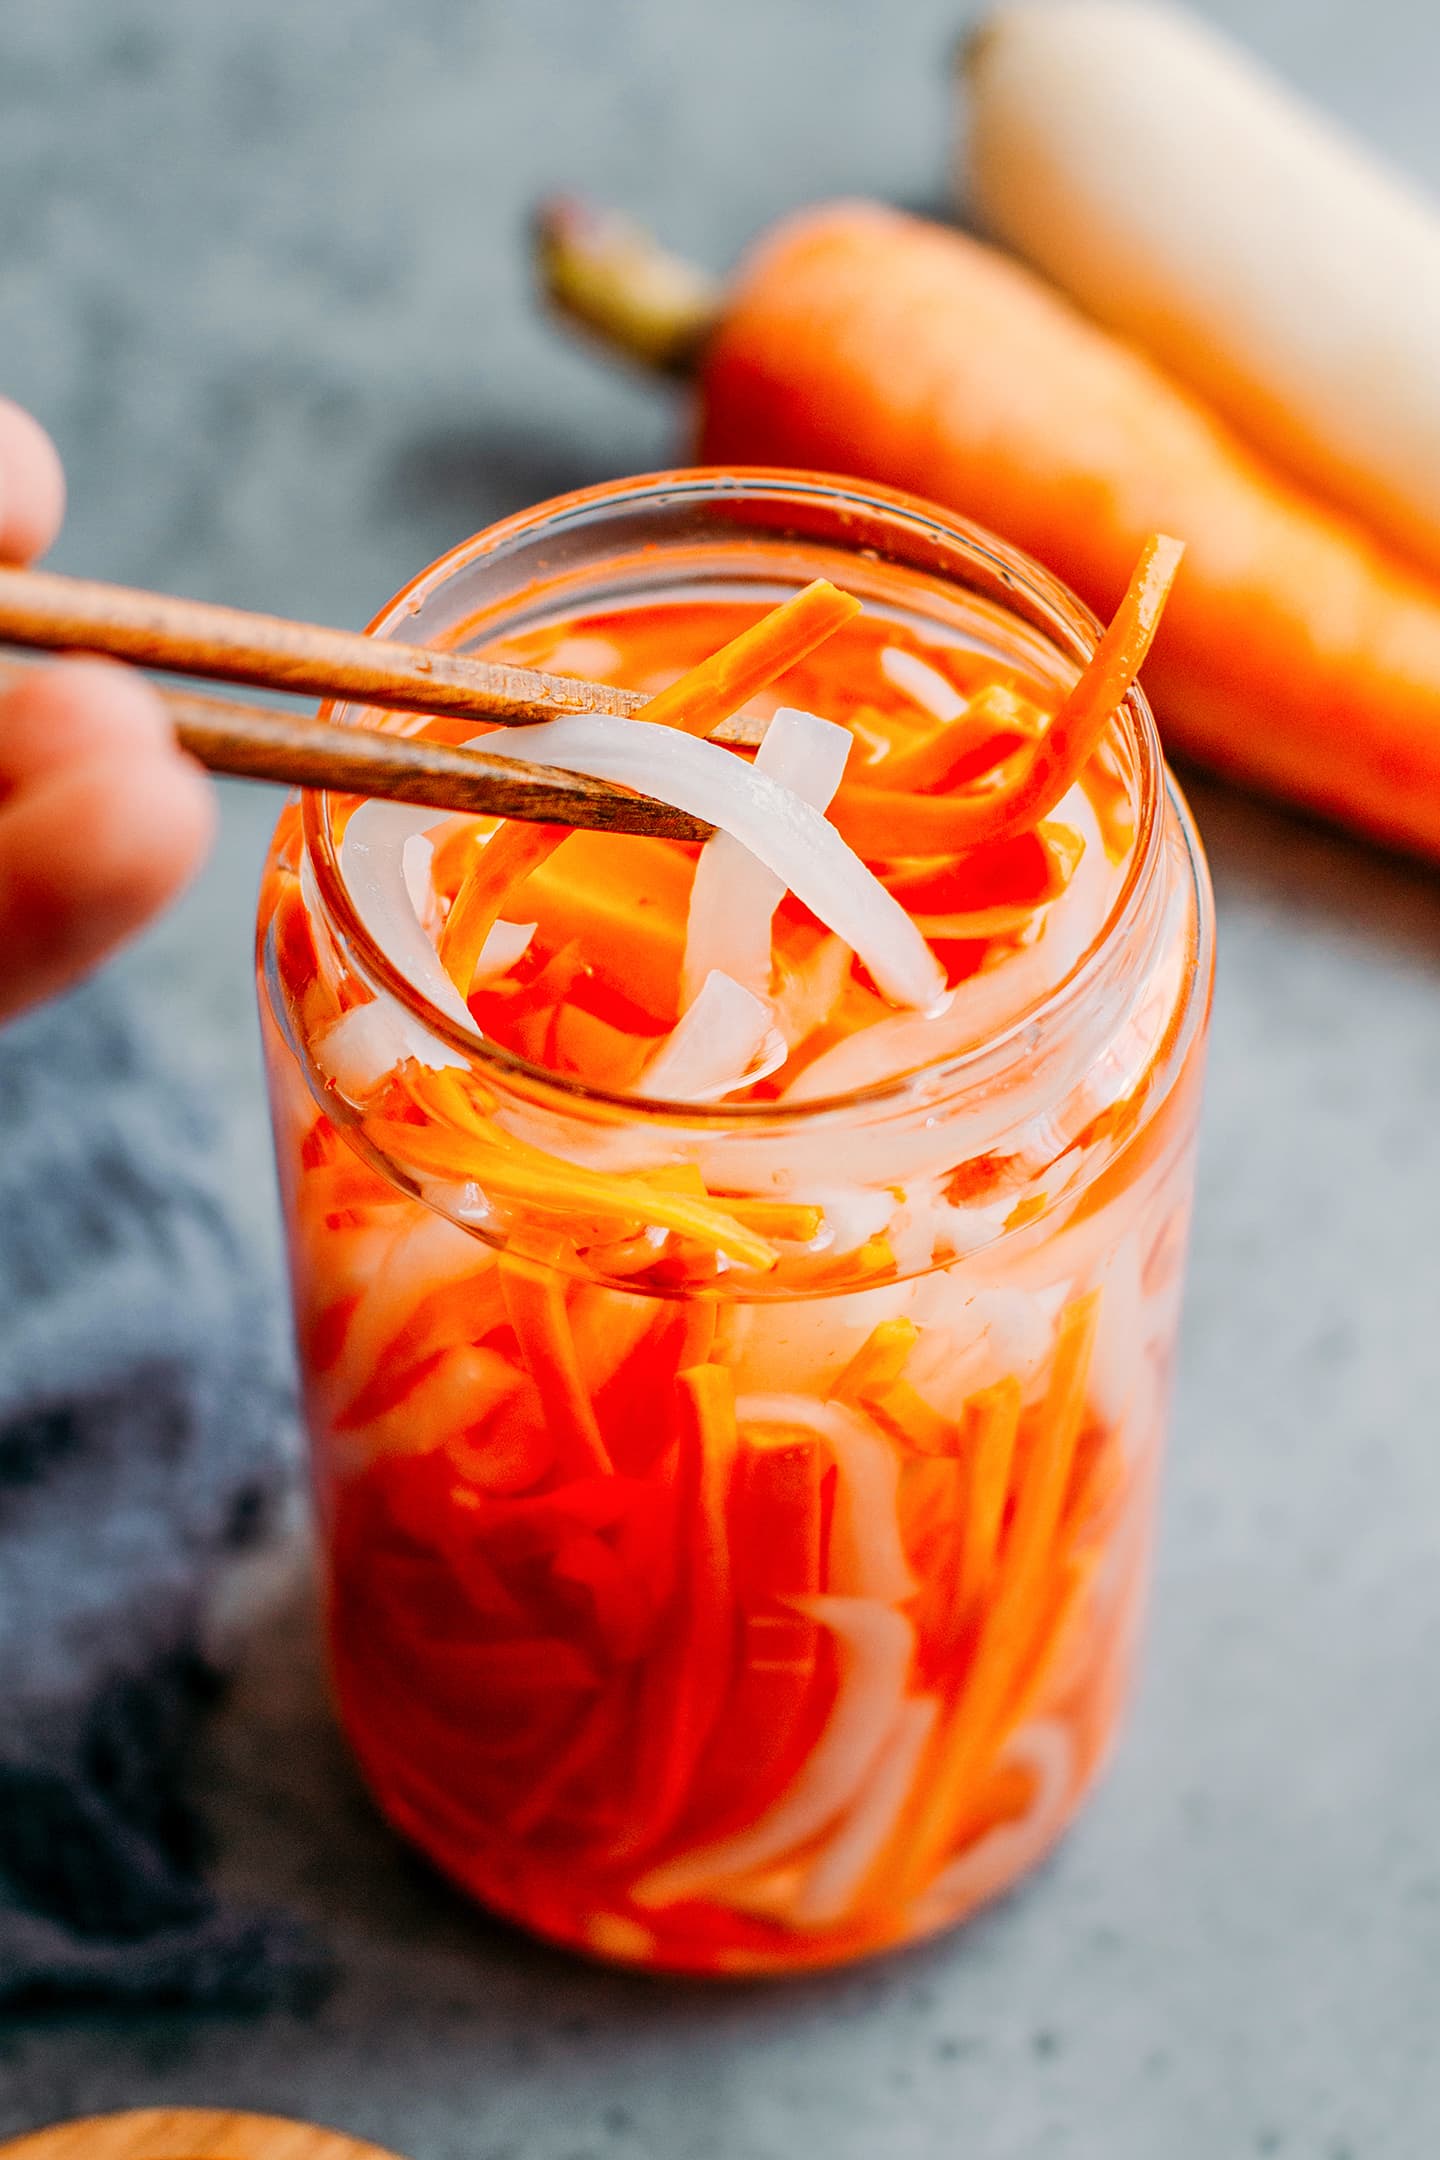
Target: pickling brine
(736, 1283)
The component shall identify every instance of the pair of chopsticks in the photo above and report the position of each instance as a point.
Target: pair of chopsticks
(42, 611)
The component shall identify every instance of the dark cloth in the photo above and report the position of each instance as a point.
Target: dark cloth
(145, 1441)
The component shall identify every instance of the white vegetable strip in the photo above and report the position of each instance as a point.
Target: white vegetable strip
(874, 1644)
(725, 1040)
(506, 943)
(786, 834)
(924, 685)
(842, 1867)
(373, 868)
(867, 1557)
(734, 896)
(365, 1046)
(417, 858)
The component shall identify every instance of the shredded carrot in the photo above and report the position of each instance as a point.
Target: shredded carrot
(909, 1419)
(1009, 1626)
(509, 1170)
(789, 1220)
(507, 856)
(725, 680)
(690, 1686)
(883, 823)
(879, 1361)
(534, 1294)
(992, 1422)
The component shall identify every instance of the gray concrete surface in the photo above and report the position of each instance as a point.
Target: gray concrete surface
(261, 272)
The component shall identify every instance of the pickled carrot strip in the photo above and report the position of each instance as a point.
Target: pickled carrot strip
(992, 1421)
(621, 1607)
(1009, 1625)
(625, 899)
(535, 1301)
(902, 1411)
(879, 1361)
(993, 1863)
(686, 1691)
(508, 856)
(606, 1327)
(883, 823)
(724, 680)
(874, 1644)
(1104, 684)
(793, 1222)
(554, 1187)
(1073, 1581)
(996, 720)
(593, 1733)
(604, 1055)
(453, 1095)
(867, 1555)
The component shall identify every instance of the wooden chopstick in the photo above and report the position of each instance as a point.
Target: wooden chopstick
(40, 610)
(257, 742)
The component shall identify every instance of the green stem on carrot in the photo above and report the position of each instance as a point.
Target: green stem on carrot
(609, 275)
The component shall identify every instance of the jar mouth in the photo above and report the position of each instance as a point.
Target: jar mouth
(1021, 586)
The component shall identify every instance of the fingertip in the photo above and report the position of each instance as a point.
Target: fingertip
(32, 486)
(76, 709)
(89, 853)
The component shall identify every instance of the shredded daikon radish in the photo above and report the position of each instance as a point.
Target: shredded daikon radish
(923, 684)
(874, 1643)
(844, 1863)
(725, 1041)
(372, 865)
(790, 837)
(734, 897)
(417, 858)
(365, 1046)
(506, 943)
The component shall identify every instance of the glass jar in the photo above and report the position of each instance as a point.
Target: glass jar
(744, 1622)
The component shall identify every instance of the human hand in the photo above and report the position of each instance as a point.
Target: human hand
(102, 818)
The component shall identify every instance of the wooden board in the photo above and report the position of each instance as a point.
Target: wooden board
(189, 2134)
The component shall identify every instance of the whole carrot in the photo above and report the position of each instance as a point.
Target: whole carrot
(1295, 654)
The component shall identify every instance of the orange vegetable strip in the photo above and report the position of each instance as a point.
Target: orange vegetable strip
(535, 1301)
(515, 1172)
(687, 1689)
(775, 1543)
(883, 823)
(791, 1220)
(722, 682)
(908, 1418)
(625, 905)
(1105, 682)
(507, 856)
(1009, 1628)
(879, 1361)
(995, 717)
(993, 1419)
(1072, 1579)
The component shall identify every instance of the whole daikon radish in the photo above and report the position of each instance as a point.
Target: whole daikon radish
(1184, 196)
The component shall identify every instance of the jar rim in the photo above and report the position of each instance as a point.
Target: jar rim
(1015, 573)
